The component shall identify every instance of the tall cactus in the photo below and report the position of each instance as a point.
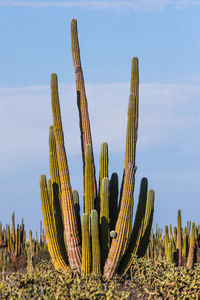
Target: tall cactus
(116, 249)
(117, 257)
(86, 137)
(69, 218)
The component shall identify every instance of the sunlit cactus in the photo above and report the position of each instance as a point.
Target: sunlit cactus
(104, 220)
(86, 251)
(117, 247)
(179, 238)
(89, 184)
(69, 219)
(191, 254)
(51, 236)
(86, 137)
(96, 252)
(108, 240)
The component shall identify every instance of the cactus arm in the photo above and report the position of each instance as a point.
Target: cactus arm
(179, 238)
(51, 236)
(137, 230)
(113, 201)
(96, 254)
(89, 184)
(166, 242)
(77, 211)
(86, 137)
(104, 221)
(69, 219)
(134, 89)
(118, 243)
(190, 260)
(86, 253)
(147, 224)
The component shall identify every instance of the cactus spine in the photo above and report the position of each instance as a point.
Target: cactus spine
(69, 219)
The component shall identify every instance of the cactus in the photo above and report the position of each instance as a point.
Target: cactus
(103, 172)
(113, 200)
(89, 184)
(77, 211)
(86, 253)
(51, 236)
(104, 220)
(166, 238)
(86, 137)
(179, 238)
(114, 221)
(191, 255)
(69, 219)
(117, 247)
(136, 233)
(96, 254)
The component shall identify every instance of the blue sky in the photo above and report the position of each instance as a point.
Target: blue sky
(35, 42)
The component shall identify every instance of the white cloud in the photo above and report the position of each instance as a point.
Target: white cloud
(167, 112)
(135, 5)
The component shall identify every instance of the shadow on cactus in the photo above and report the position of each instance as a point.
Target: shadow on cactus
(104, 242)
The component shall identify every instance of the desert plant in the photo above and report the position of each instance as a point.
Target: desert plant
(100, 224)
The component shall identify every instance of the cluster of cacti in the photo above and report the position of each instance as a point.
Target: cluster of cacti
(179, 247)
(14, 243)
(105, 243)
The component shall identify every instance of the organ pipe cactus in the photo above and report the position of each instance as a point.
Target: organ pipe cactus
(191, 255)
(69, 219)
(102, 219)
(86, 137)
(179, 238)
(96, 252)
(89, 183)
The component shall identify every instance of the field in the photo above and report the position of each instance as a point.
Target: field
(147, 280)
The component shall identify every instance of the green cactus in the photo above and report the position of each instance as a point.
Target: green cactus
(114, 221)
(86, 252)
(137, 230)
(89, 184)
(166, 239)
(113, 200)
(77, 211)
(179, 238)
(69, 219)
(117, 247)
(191, 254)
(104, 220)
(96, 253)
(51, 236)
